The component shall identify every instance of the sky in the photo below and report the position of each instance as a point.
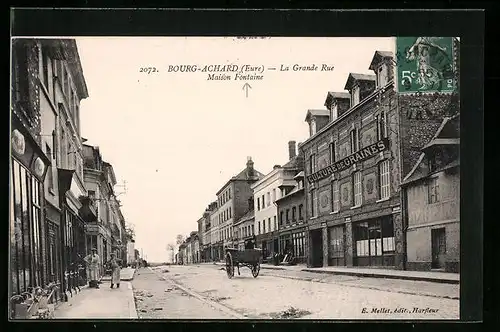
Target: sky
(177, 138)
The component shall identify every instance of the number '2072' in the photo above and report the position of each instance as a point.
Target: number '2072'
(148, 70)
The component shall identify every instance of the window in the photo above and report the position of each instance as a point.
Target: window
(275, 223)
(281, 218)
(258, 204)
(274, 195)
(287, 216)
(361, 237)
(230, 213)
(269, 224)
(354, 140)
(357, 189)
(263, 202)
(388, 235)
(382, 75)
(314, 202)
(26, 220)
(381, 126)
(294, 214)
(50, 178)
(312, 163)
(258, 229)
(268, 199)
(298, 244)
(335, 196)
(301, 212)
(253, 229)
(384, 179)
(229, 193)
(332, 152)
(263, 226)
(354, 95)
(333, 111)
(433, 188)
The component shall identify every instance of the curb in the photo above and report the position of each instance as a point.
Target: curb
(131, 303)
(385, 276)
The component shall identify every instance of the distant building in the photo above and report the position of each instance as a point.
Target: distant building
(266, 191)
(432, 198)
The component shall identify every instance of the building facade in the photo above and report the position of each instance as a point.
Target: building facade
(266, 191)
(46, 171)
(431, 194)
(352, 171)
(233, 201)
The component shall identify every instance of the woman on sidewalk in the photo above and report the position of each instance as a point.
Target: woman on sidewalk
(115, 270)
(92, 261)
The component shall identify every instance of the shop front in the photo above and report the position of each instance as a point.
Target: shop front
(294, 241)
(373, 242)
(336, 248)
(28, 228)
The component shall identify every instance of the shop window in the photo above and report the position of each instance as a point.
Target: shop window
(384, 179)
(26, 244)
(357, 189)
(361, 236)
(433, 191)
(388, 243)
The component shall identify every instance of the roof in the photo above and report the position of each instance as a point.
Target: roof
(316, 112)
(246, 217)
(295, 162)
(353, 77)
(417, 171)
(295, 190)
(377, 58)
(243, 176)
(336, 95)
(299, 175)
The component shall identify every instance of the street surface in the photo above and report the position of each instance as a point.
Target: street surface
(204, 292)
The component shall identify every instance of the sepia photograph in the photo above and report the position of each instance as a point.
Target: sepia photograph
(234, 178)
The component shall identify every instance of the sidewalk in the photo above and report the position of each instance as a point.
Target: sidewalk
(126, 274)
(104, 302)
(439, 277)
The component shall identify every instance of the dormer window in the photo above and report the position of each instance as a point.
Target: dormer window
(354, 95)
(382, 75)
(333, 111)
(313, 127)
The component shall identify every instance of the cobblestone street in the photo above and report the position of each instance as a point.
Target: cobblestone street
(286, 294)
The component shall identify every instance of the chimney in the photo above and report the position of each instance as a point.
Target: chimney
(292, 150)
(250, 171)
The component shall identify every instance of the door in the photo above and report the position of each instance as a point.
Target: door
(276, 245)
(438, 236)
(317, 248)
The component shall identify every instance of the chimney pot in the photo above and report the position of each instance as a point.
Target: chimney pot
(292, 149)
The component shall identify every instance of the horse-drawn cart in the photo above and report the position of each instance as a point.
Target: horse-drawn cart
(250, 258)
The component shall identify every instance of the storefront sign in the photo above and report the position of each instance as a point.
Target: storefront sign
(425, 64)
(361, 155)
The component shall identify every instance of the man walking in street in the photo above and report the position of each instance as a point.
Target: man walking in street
(92, 261)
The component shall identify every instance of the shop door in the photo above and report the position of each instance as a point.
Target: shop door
(317, 248)
(438, 248)
(375, 237)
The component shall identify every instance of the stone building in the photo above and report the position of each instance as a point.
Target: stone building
(244, 227)
(431, 193)
(47, 87)
(232, 201)
(274, 185)
(291, 209)
(215, 238)
(355, 163)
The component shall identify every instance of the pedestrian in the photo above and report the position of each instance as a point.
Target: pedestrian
(93, 261)
(115, 270)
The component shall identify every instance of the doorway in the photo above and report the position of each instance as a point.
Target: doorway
(317, 248)
(438, 238)
(276, 245)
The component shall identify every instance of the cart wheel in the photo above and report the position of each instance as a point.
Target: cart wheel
(229, 265)
(255, 270)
